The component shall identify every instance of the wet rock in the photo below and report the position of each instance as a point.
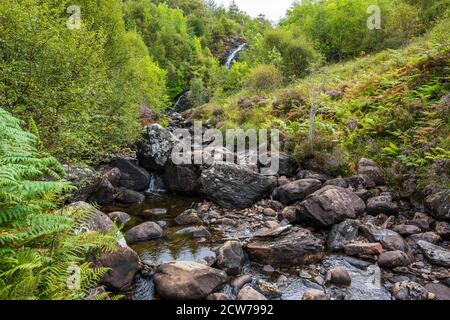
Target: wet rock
(366, 280)
(233, 186)
(330, 205)
(299, 246)
(248, 293)
(183, 179)
(435, 254)
(218, 296)
(363, 249)
(408, 290)
(189, 216)
(231, 257)
(340, 277)
(370, 169)
(297, 190)
(393, 259)
(127, 196)
(194, 232)
(390, 240)
(183, 280)
(290, 214)
(123, 265)
(341, 234)
(155, 147)
(315, 294)
(143, 232)
(382, 204)
(338, 182)
(241, 281)
(131, 175)
(441, 291)
(307, 174)
(98, 221)
(406, 230)
(120, 218)
(268, 289)
(438, 205)
(442, 228)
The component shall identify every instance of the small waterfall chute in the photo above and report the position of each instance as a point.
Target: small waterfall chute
(234, 55)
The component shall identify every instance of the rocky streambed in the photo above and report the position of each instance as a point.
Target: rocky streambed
(224, 231)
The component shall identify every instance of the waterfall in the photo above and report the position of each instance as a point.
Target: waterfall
(232, 57)
(156, 184)
(182, 101)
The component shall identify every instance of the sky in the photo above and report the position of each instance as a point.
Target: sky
(273, 9)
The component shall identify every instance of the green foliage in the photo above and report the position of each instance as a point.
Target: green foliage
(81, 86)
(339, 27)
(38, 245)
(263, 78)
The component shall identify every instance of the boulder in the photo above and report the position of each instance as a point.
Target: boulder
(154, 150)
(290, 214)
(297, 190)
(189, 216)
(389, 239)
(287, 166)
(339, 276)
(123, 265)
(183, 280)
(103, 192)
(268, 289)
(298, 246)
(338, 182)
(382, 204)
(393, 259)
(240, 281)
(409, 290)
(406, 230)
(182, 179)
(371, 170)
(97, 220)
(194, 232)
(341, 234)
(127, 196)
(248, 293)
(363, 249)
(435, 254)
(86, 180)
(120, 218)
(330, 205)
(231, 257)
(308, 174)
(441, 291)
(131, 175)
(438, 205)
(144, 232)
(233, 186)
(442, 228)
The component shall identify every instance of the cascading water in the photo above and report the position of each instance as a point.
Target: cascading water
(156, 184)
(234, 55)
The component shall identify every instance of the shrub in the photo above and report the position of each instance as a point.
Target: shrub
(263, 78)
